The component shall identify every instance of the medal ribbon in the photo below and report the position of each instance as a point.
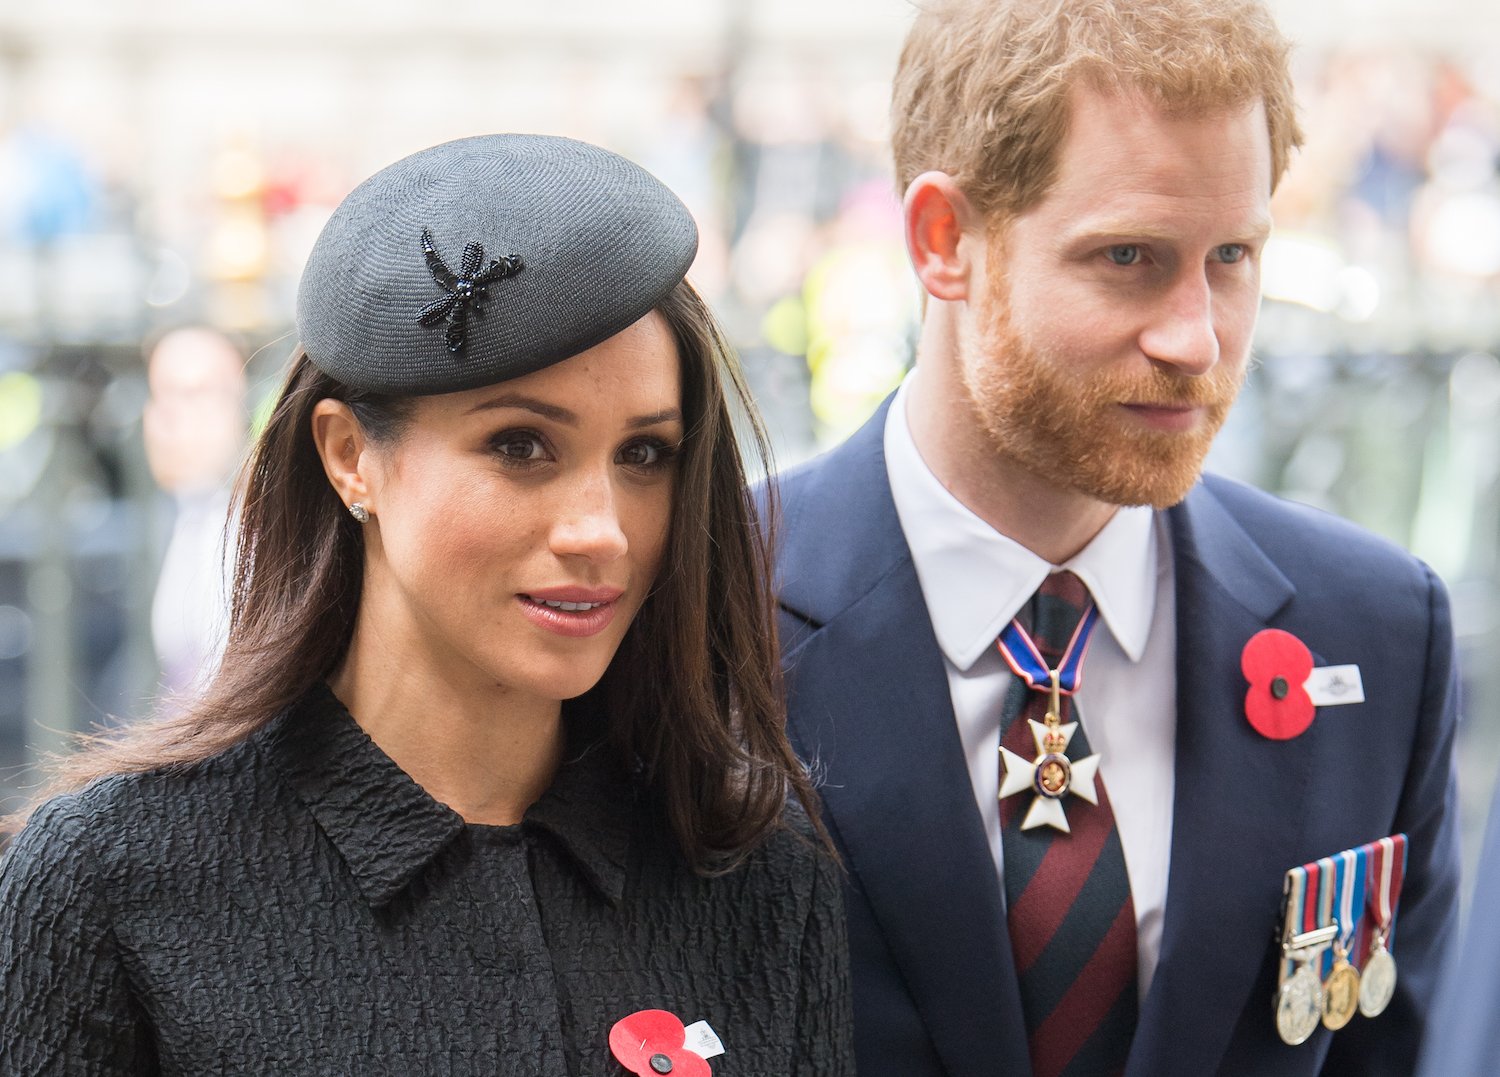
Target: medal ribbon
(1328, 875)
(1021, 654)
(1296, 890)
(1351, 881)
(1311, 900)
(1390, 867)
(1384, 865)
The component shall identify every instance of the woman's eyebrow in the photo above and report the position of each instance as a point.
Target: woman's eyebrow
(666, 415)
(527, 403)
(563, 415)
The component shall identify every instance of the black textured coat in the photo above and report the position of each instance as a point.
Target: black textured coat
(299, 905)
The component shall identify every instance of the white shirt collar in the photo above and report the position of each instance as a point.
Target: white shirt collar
(974, 579)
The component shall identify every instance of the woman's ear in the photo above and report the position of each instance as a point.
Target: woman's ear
(941, 233)
(340, 442)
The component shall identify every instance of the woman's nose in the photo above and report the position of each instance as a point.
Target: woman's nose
(589, 524)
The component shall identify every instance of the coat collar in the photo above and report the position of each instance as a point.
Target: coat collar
(388, 829)
(838, 536)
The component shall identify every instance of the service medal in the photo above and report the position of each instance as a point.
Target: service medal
(1378, 982)
(1341, 992)
(1299, 998)
(1299, 1006)
(1341, 988)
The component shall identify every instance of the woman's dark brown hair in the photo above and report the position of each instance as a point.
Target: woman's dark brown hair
(693, 695)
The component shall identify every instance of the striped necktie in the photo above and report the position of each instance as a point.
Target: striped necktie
(1071, 919)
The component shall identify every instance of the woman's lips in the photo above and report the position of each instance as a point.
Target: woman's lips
(571, 611)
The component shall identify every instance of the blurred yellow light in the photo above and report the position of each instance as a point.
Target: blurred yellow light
(20, 407)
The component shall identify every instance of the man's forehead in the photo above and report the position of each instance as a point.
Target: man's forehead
(1132, 165)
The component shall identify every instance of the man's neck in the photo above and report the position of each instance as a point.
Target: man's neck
(1051, 521)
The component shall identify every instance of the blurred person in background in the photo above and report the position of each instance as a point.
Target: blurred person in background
(492, 777)
(195, 428)
(1038, 890)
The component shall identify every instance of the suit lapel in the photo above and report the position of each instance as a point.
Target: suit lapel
(872, 714)
(1238, 802)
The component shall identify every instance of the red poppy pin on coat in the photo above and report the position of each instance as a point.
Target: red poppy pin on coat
(650, 1043)
(1277, 664)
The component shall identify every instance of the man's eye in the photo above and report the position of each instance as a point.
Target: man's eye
(1124, 254)
(1230, 252)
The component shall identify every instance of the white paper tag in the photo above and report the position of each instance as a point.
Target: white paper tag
(1330, 686)
(700, 1040)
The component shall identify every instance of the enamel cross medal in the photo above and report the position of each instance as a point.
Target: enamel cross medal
(1051, 775)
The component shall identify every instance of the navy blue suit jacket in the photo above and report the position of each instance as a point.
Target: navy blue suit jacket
(934, 983)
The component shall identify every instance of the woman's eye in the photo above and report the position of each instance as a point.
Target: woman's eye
(644, 454)
(1124, 254)
(519, 446)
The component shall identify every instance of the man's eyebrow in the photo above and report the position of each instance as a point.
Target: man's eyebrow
(1104, 227)
(563, 415)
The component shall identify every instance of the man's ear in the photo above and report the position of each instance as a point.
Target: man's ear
(340, 442)
(941, 233)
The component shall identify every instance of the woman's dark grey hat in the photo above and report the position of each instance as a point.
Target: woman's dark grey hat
(487, 258)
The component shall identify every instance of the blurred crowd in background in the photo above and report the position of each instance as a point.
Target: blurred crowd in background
(166, 164)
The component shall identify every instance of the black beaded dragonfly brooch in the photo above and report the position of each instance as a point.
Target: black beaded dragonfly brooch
(465, 289)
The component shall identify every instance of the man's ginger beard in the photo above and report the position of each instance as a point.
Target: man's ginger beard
(1068, 429)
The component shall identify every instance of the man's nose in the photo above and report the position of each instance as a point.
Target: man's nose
(1181, 332)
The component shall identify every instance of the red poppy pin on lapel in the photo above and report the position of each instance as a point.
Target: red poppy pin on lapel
(1285, 686)
(650, 1043)
(1277, 664)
